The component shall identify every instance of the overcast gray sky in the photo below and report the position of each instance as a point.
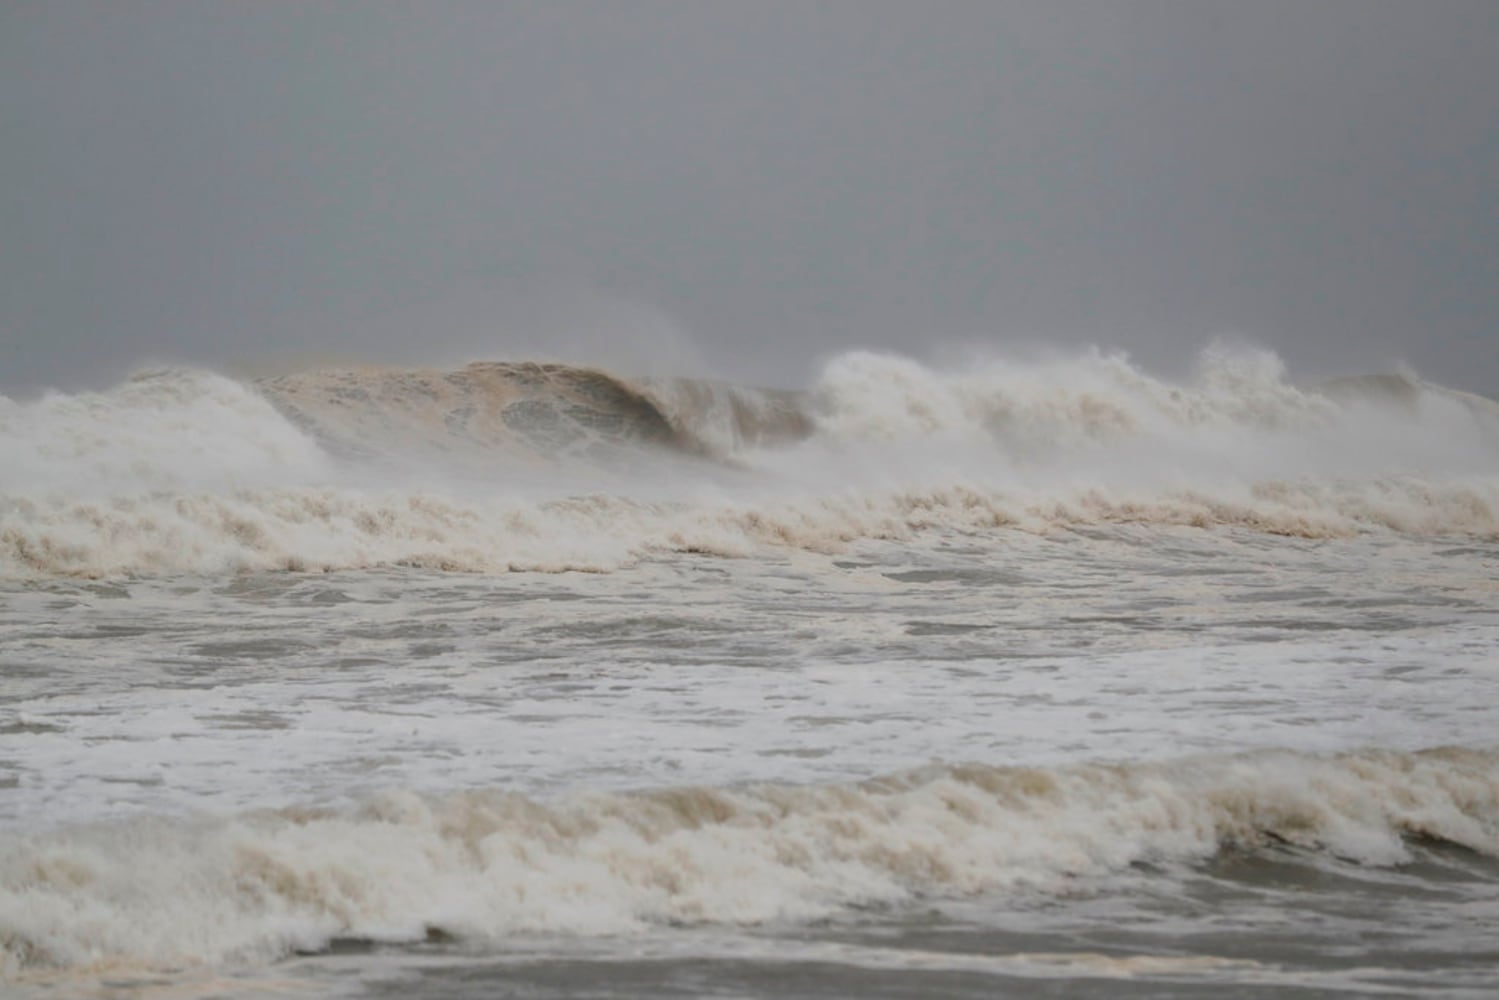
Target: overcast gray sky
(745, 185)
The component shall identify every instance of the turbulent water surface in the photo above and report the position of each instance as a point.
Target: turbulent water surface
(1043, 679)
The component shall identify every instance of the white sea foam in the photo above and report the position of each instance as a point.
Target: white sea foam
(158, 893)
(169, 430)
(180, 471)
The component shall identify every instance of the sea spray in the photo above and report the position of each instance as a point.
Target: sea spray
(497, 467)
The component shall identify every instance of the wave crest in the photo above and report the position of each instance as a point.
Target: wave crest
(551, 411)
(160, 892)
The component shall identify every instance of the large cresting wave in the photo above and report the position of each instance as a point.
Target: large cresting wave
(500, 466)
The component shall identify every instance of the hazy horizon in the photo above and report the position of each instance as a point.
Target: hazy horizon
(742, 189)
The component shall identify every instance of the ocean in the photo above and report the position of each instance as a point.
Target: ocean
(1048, 677)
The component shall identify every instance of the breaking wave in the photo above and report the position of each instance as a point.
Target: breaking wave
(502, 466)
(549, 412)
(158, 892)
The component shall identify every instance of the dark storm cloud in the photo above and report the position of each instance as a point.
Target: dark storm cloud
(222, 183)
